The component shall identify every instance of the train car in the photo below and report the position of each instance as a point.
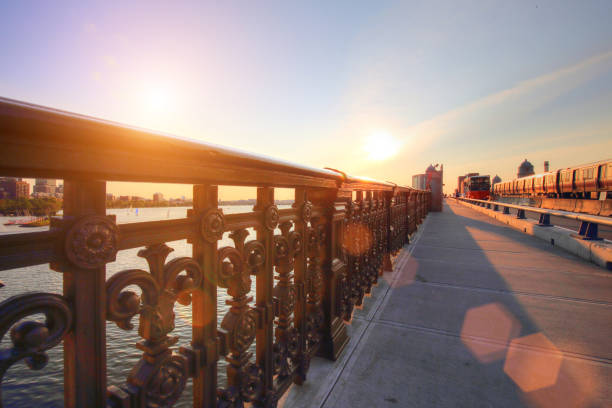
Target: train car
(587, 181)
(604, 178)
(478, 187)
(551, 183)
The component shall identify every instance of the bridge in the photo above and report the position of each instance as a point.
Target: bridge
(355, 295)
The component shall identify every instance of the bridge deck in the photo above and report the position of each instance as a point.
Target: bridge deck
(475, 315)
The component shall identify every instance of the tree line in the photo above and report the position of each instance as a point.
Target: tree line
(31, 206)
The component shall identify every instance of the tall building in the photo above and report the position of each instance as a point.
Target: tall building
(45, 187)
(419, 181)
(12, 188)
(435, 184)
(525, 169)
(157, 197)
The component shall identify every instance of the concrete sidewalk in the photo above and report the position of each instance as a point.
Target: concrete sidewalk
(475, 314)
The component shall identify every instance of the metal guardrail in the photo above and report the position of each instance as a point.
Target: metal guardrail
(310, 264)
(589, 223)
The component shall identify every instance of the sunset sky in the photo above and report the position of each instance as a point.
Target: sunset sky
(374, 88)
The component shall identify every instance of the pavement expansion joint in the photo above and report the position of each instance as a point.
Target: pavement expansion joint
(445, 333)
(473, 249)
(517, 293)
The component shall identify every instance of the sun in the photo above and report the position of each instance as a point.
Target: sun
(157, 98)
(381, 145)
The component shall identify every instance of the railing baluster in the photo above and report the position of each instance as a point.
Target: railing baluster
(204, 300)
(84, 287)
(263, 301)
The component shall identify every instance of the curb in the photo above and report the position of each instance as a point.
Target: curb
(597, 252)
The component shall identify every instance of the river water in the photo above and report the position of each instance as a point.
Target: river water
(23, 387)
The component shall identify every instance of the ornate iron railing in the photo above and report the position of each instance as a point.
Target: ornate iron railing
(333, 244)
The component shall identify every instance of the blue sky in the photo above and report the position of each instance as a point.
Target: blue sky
(478, 86)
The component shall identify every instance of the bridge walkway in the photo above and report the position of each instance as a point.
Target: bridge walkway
(475, 314)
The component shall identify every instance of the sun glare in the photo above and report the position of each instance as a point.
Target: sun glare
(381, 145)
(157, 98)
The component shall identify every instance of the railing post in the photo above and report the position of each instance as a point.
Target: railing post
(84, 287)
(589, 231)
(388, 222)
(204, 304)
(506, 210)
(335, 337)
(264, 287)
(544, 220)
(520, 214)
(299, 278)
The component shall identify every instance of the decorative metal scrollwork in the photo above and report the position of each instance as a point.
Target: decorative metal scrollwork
(212, 225)
(161, 374)
(255, 256)
(239, 325)
(271, 217)
(306, 211)
(31, 339)
(91, 242)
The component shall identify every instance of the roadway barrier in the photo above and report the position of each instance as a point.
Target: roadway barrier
(325, 253)
(585, 242)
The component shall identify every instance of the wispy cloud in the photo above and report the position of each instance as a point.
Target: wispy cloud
(507, 105)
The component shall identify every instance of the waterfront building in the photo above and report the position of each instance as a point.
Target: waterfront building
(12, 188)
(419, 181)
(157, 197)
(45, 187)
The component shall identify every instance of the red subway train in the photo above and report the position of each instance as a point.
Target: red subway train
(587, 181)
(478, 187)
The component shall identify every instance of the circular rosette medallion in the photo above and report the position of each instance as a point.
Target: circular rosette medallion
(241, 329)
(92, 242)
(168, 383)
(271, 217)
(212, 225)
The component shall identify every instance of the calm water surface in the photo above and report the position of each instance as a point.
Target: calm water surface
(23, 387)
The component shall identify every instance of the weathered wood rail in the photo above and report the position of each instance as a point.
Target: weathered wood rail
(324, 253)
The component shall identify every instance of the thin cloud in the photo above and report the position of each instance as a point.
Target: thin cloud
(508, 104)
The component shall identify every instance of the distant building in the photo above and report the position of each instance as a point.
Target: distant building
(525, 169)
(157, 197)
(434, 183)
(12, 188)
(110, 197)
(419, 181)
(495, 180)
(124, 198)
(45, 187)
